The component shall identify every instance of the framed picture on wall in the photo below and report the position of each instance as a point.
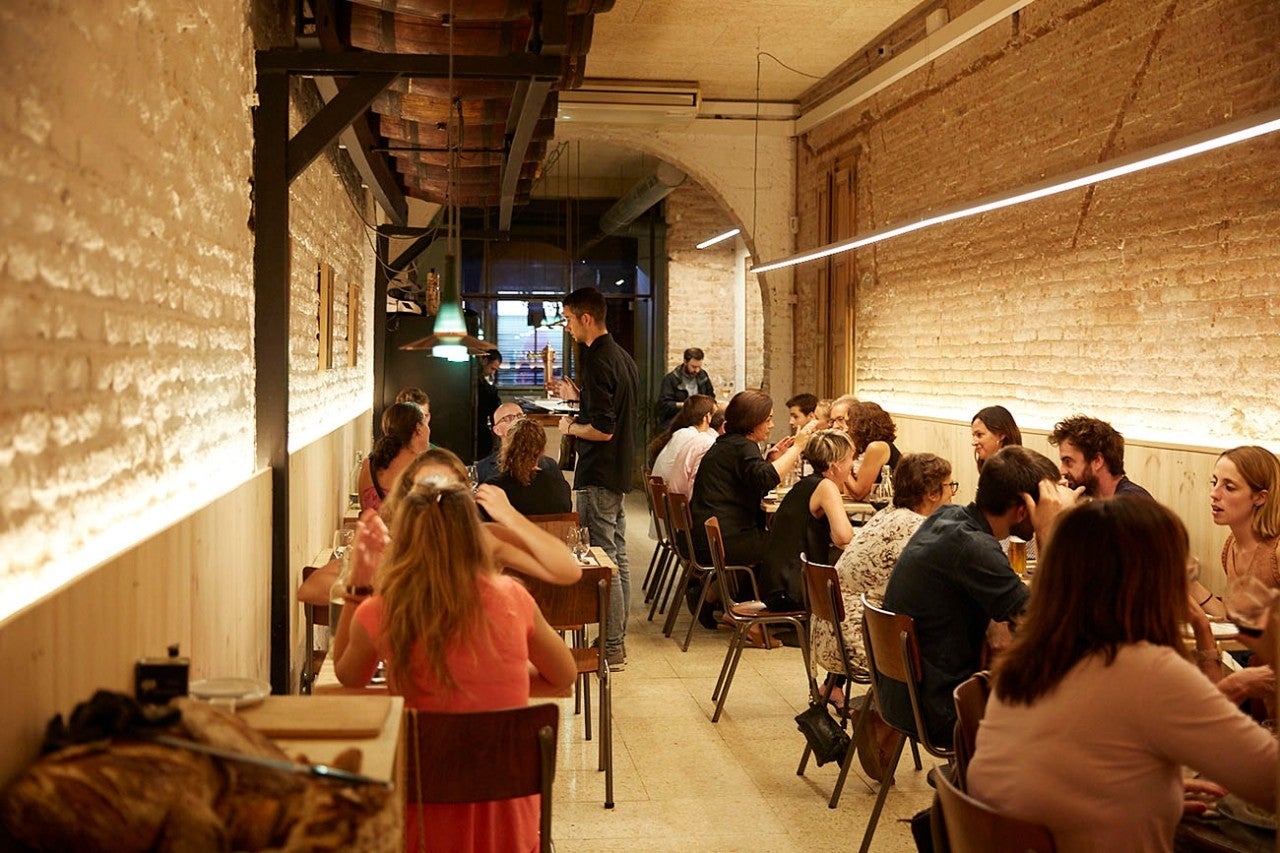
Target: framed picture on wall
(324, 316)
(353, 323)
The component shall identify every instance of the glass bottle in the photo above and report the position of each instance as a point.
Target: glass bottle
(353, 482)
(338, 590)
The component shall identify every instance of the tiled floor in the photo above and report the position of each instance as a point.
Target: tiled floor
(684, 783)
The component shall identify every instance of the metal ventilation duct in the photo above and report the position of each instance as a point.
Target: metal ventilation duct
(643, 195)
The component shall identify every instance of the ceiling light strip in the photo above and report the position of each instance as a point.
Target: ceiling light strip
(719, 238)
(1188, 146)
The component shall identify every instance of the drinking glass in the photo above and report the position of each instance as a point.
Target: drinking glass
(342, 539)
(571, 539)
(1248, 602)
(583, 548)
(473, 477)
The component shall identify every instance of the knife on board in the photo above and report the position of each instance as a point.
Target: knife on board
(317, 771)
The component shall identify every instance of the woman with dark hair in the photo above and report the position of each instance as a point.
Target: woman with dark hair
(694, 417)
(810, 519)
(406, 432)
(532, 490)
(428, 598)
(921, 484)
(873, 432)
(734, 477)
(1095, 709)
(993, 428)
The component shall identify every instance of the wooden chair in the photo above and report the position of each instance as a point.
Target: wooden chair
(558, 524)
(744, 615)
(826, 606)
(482, 756)
(974, 827)
(894, 653)
(691, 569)
(660, 574)
(971, 705)
(582, 604)
(314, 590)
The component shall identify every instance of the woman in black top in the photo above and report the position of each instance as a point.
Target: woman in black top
(532, 490)
(734, 477)
(810, 519)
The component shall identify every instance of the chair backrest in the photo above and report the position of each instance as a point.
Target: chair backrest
(715, 542)
(681, 520)
(971, 705)
(451, 757)
(826, 604)
(558, 524)
(974, 827)
(656, 491)
(893, 652)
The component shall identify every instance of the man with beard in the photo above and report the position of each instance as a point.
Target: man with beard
(1093, 456)
(954, 580)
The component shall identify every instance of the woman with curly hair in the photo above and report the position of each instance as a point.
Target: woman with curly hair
(532, 490)
(456, 635)
(873, 432)
(406, 432)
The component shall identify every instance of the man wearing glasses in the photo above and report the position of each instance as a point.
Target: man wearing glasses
(503, 417)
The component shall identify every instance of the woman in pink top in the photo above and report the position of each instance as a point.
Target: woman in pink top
(456, 636)
(1095, 709)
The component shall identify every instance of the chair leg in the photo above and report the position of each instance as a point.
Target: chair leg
(702, 599)
(669, 625)
(731, 663)
(586, 703)
(915, 753)
(606, 738)
(671, 581)
(659, 582)
(648, 574)
(884, 790)
(862, 720)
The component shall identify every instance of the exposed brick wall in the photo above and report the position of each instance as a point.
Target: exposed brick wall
(700, 302)
(126, 275)
(1151, 301)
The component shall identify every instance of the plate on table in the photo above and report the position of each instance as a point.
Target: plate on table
(1250, 815)
(245, 692)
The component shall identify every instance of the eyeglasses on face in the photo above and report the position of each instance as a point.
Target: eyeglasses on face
(955, 487)
(508, 419)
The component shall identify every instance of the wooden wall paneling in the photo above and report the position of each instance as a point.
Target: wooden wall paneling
(88, 635)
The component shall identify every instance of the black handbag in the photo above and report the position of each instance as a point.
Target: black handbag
(827, 740)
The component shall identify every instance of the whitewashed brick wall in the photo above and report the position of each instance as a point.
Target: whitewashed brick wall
(1152, 302)
(126, 277)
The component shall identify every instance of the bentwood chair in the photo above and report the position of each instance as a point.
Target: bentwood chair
(974, 827)
(826, 607)
(893, 653)
(743, 616)
(582, 604)
(451, 758)
(971, 705)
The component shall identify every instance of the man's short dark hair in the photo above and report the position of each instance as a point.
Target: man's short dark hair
(806, 403)
(1011, 472)
(1093, 437)
(587, 300)
(693, 352)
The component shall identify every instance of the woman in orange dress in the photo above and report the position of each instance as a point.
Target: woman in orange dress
(456, 636)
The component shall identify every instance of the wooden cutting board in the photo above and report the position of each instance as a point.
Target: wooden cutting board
(321, 717)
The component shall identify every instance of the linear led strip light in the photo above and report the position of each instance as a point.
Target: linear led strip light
(1230, 133)
(719, 238)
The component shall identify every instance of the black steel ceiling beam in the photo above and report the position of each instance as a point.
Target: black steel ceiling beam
(526, 110)
(335, 117)
(352, 63)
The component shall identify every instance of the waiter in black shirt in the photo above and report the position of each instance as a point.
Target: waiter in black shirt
(605, 429)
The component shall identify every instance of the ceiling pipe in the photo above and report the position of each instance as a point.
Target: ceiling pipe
(644, 194)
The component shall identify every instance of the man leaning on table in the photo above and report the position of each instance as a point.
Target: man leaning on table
(1092, 454)
(954, 580)
(605, 429)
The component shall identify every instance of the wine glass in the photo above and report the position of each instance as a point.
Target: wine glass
(342, 539)
(571, 539)
(1248, 602)
(473, 477)
(583, 546)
